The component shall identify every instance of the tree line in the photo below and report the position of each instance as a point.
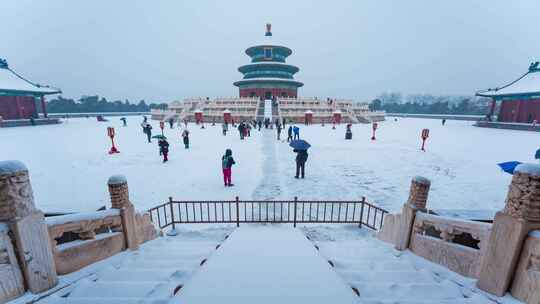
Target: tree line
(88, 104)
(395, 102)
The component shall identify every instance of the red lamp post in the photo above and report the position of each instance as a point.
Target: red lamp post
(425, 135)
(110, 132)
(375, 125)
(162, 126)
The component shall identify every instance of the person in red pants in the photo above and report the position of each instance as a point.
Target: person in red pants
(227, 162)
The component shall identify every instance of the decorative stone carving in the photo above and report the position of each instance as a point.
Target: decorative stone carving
(418, 193)
(526, 282)
(16, 198)
(118, 190)
(417, 201)
(523, 199)
(510, 228)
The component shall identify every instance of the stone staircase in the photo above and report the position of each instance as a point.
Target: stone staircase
(150, 275)
(260, 111)
(382, 275)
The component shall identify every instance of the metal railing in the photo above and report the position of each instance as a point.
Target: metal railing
(295, 212)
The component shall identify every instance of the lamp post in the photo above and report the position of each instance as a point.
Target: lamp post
(162, 126)
(425, 135)
(110, 132)
(375, 125)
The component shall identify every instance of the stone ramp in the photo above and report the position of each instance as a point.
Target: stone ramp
(266, 264)
(149, 275)
(383, 275)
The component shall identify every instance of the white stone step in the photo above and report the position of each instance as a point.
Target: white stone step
(146, 275)
(392, 291)
(390, 277)
(117, 289)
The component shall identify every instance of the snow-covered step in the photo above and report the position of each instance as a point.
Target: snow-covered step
(266, 265)
(115, 289)
(389, 290)
(375, 265)
(145, 275)
(393, 277)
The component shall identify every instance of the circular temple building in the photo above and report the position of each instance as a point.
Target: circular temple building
(268, 76)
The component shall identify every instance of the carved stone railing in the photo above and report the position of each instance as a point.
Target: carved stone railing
(11, 278)
(95, 236)
(34, 250)
(459, 245)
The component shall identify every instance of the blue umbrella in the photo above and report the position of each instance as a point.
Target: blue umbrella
(509, 167)
(299, 144)
(537, 155)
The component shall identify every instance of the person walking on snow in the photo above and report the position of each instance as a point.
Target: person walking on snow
(227, 161)
(296, 131)
(241, 130)
(278, 131)
(301, 159)
(185, 137)
(289, 134)
(164, 149)
(225, 128)
(148, 131)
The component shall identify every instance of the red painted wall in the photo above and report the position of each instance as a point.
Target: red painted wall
(259, 92)
(522, 110)
(17, 107)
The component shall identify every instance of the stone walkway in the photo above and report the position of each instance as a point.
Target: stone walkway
(266, 265)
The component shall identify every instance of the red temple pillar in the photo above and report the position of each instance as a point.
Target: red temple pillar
(44, 106)
(518, 110)
(19, 108)
(492, 108)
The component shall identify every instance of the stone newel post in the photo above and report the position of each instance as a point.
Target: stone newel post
(28, 225)
(118, 190)
(417, 201)
(520, 215)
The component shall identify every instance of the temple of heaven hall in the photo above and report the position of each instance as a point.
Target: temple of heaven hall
(268, 76)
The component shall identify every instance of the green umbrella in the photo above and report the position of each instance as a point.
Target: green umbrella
(159, 136)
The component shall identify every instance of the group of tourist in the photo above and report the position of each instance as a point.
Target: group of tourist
(244, 130)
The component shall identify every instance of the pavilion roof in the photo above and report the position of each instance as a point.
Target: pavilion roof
(11, 82)
(526, 85)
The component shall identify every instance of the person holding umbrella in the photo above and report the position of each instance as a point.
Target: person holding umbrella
(124, 121)
(227, 161)
(300, 147)
(185, 137)
(278, 126)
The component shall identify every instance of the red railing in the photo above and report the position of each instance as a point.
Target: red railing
(295, 212)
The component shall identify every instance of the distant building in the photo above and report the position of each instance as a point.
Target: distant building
(19, 98)
(519, 100)
(269, 84)
(268, 76)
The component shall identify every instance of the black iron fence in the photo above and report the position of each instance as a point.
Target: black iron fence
(295, 212)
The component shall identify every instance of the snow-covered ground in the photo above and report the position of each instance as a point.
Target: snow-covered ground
(69, 164)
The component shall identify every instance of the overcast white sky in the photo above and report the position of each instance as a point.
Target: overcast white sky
(168, 50)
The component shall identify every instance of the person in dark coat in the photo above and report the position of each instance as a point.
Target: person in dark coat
(289, 134)
(171, 123)
(443, 122)
(241, 130)
(148, 131)
(278, 131)
(124, 121)
(301, 159)
(164, 149)
(185, 138)
(260, 125)
(227, 161)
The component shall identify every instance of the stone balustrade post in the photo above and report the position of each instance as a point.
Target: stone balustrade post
(417, 201)
(520, 215)
(118, 190)
(31, 235)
